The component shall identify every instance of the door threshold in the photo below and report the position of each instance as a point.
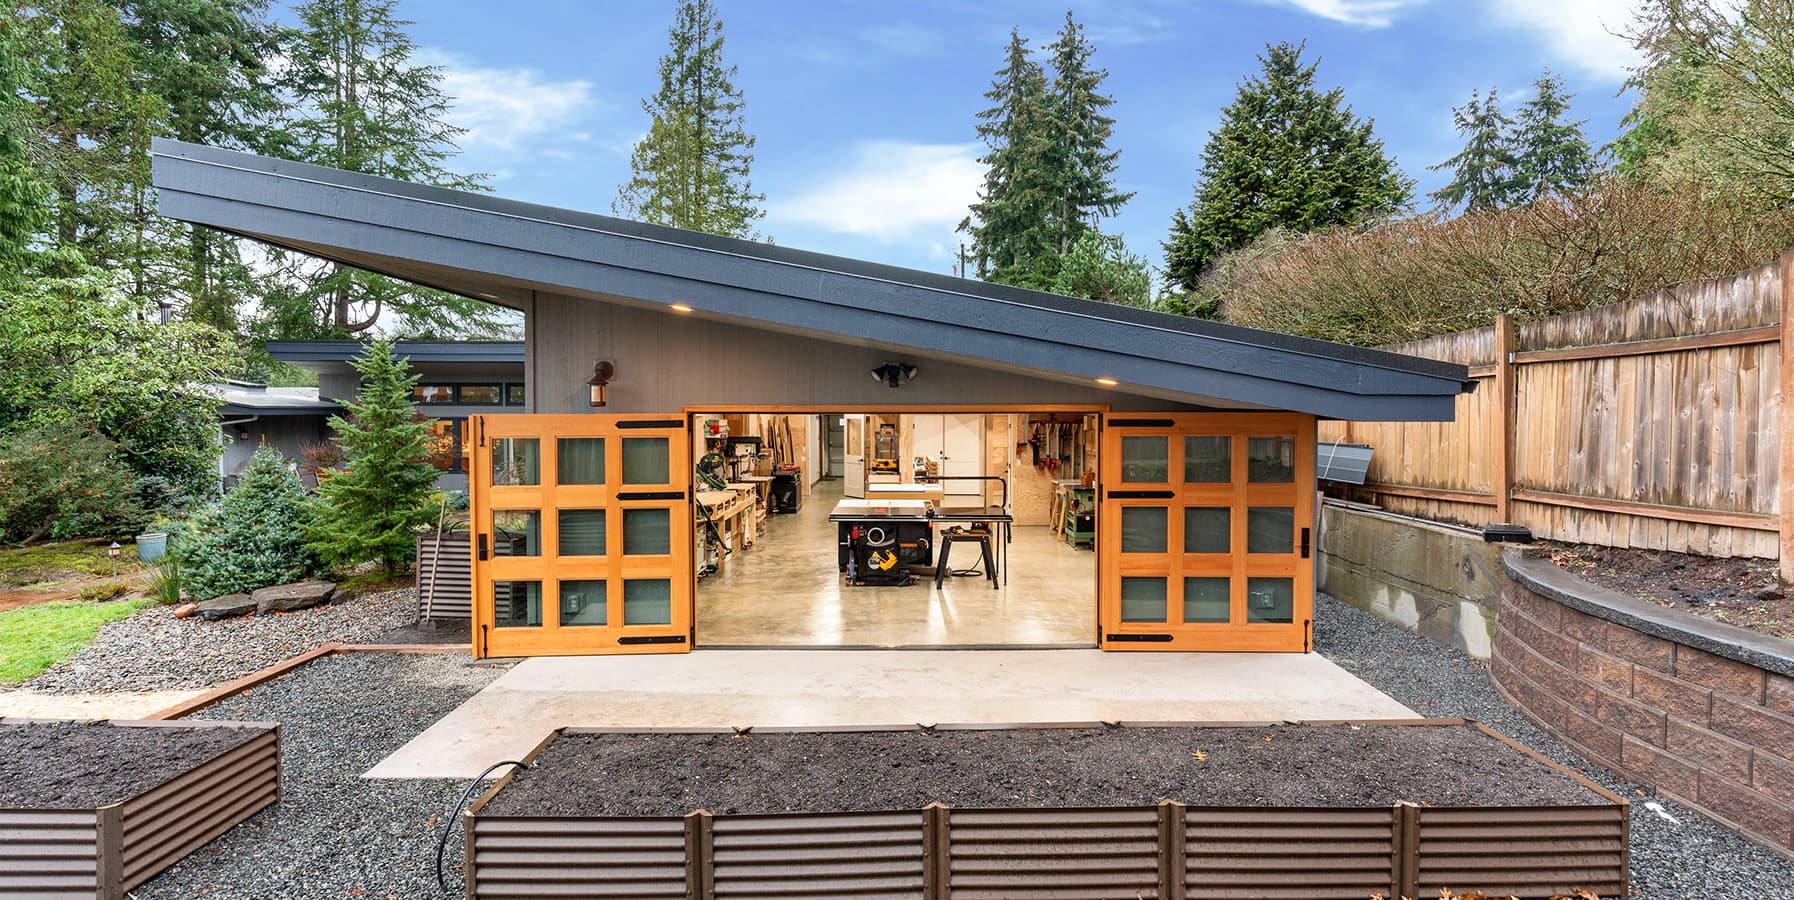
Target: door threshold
(1071, 646)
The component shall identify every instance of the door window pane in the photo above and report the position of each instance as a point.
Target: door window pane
(517, 604)
(1142, 599)
(648, 601)
(516, 461)
(1143, 529)
(583, 603)
(647, 532)
(1207, 529)
(480, 393)
(516, 532)
(645, 461)
(1270, 529)
(580, 460)
(1206, 600)
(1208, 460)
(1270, 599)
(1271, 459)
(1144, 460)
(582, 532)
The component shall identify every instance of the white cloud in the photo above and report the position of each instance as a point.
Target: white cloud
(902, 39)
(890, 191)
(1368, 13)
(1580, 33)
(505, 109)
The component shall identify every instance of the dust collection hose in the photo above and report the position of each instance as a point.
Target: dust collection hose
(442, 842)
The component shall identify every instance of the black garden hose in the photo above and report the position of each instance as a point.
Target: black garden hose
(442, 843)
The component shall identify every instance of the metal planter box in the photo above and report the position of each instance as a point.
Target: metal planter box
(1164, 852)
(104, 852)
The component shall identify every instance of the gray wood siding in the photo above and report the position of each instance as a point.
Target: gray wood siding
(667, 361)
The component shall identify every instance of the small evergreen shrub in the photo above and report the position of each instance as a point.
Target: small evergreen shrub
(254, 538)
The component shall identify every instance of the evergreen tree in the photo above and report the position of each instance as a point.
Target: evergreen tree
(1484, 174)
(372, 508)
(1099, 267)
(1550, 155)
(254, 538)
(691, 169)
(22, 191)
(1009, 224)
(1079, 157)
(362, 104)
(1285, 155)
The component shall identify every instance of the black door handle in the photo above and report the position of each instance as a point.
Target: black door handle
(482, 543)
(1304, 543)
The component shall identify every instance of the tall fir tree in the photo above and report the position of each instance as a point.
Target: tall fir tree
(691, 170)
(1286, 155)
(361, 102)
(1079, 155)
(1484, 174)
(22, 189)
(1550, 155)
(371, 509)
(1009, 222)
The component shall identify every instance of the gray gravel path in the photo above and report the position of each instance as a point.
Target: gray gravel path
(1689, 857)
(334, 834)
(153, 650)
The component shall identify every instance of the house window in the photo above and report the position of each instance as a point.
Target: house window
(448, 445)
(513, 394)
(433, 393)
(489, 394)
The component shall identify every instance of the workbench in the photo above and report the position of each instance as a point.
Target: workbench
(930, 492)
(733, 514)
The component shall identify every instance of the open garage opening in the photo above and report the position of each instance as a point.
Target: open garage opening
(895, 528)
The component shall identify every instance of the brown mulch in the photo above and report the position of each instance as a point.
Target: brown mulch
(1737, 591)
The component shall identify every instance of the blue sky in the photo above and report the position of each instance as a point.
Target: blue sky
(864, 111)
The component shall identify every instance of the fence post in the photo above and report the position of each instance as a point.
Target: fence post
(1406, 864)
(1503, 450)
(936, 841)
(700, 863)
(1172, 835)
(1785, 416)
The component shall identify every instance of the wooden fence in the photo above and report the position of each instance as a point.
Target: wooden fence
(1651, 423)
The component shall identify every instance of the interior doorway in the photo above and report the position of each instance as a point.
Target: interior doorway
(858, 562)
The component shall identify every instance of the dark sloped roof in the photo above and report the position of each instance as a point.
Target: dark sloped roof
(500, 250)
(245, 399)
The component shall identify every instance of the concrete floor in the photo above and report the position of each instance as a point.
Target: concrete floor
(787, 592)
(721, 688)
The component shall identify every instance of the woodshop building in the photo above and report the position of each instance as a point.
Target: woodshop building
(1100, 475)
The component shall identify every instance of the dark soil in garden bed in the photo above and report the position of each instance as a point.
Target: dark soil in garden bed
(1738, 591)
(1283, 765)
(82, 765)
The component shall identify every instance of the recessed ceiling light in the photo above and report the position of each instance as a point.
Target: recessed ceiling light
(680, 307)
(1107, 382)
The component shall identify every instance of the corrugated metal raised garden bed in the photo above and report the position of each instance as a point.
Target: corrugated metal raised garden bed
(1134, 811)
(93, 809)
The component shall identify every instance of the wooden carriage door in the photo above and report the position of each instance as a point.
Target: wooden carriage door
(1205, 532)
(582, 531)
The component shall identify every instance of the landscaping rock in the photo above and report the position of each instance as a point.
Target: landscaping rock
(225, 607)
(288, 597)
(186, 610)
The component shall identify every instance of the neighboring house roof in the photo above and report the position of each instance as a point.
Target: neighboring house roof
(501, 250)
(245, 399)
(416, 351)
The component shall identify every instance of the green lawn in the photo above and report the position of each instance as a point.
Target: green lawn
(33, 638)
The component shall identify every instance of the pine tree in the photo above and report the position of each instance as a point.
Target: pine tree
(1079, 156)
(372, 508)
(1009, 224)
(691, 169)
(1484, 174)
(1285, 155)
(361, 103)
(1550, 155)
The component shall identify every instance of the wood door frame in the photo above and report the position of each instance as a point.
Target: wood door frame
(1238, 496)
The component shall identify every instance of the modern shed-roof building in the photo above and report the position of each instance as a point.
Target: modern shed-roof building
(1197, 437)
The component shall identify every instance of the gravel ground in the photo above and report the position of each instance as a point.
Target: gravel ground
(334, 834)
(153, 650)
(1675, 853)
(1283, 765)
(77, 765)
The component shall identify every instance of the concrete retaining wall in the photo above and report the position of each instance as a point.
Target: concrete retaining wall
(1700, 710)
(1439, 580)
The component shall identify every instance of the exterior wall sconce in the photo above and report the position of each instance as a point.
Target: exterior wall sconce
(602, 372)
(894, 374)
